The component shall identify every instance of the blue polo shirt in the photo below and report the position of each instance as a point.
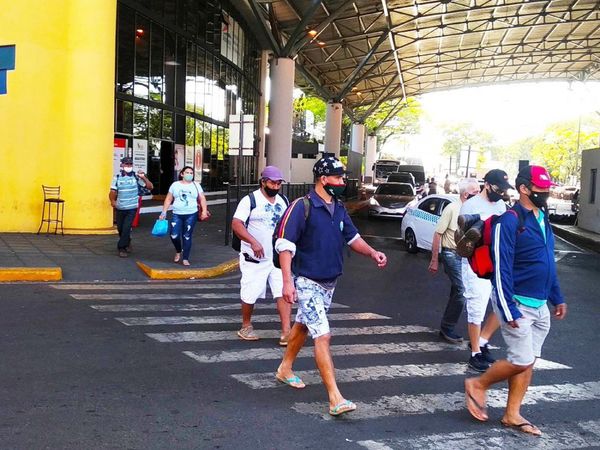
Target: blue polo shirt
(318, 240)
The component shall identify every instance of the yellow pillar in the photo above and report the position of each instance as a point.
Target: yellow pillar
(56, 120)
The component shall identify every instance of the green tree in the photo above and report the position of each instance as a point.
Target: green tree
(405, 121)
(462, 136)
(314, 104)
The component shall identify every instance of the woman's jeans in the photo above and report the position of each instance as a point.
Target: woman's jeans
(182, 229)
(452, 266)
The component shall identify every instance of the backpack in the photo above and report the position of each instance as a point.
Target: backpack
(236, 242)
(481, 260)
(306, 202)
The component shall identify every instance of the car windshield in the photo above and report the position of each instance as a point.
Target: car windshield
(394, 189)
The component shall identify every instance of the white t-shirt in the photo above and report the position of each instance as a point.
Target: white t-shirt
(263, 219)
(483, 207)
(185, 197)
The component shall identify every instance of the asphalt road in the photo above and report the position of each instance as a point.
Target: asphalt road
(103, 366)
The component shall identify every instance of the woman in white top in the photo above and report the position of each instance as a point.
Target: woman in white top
(185, 195)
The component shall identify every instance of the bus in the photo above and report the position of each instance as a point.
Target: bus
(382, 168)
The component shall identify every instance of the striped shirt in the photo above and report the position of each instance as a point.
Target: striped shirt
(127, 190)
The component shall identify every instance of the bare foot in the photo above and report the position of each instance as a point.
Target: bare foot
(186, 262)
(177, 257)
(475, 399)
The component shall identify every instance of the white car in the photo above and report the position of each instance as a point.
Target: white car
(421, 219)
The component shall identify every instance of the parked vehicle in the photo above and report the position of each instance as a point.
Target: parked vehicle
(382, 168)
(420, 220)
(391, 200)
(418, 172)
(402, 177)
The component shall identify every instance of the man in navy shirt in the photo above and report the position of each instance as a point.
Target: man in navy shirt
(524, 281)
(310, 244)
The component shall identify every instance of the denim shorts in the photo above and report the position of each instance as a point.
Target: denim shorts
(314, 301)
(524, 344)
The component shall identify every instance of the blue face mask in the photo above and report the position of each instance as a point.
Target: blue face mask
(188, 176)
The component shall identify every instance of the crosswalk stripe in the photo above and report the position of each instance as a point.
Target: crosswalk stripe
(263, 380)
(191, 307)
(144, 296)
(405, 405)
(215, 356)
(148, 286)
(204, 336)
(200, 320)
(554, 438)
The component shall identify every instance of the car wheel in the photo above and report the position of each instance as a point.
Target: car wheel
(411, 241)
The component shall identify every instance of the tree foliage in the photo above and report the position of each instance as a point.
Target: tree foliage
(314, 104)
(461, 136)
(405, 121)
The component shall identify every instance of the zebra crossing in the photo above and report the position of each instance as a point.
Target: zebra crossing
(205, 317)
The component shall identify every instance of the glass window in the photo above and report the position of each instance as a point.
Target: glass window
(124, 117)
(190, 77)
(142, 56)
(206, 135)
(189, 131)
(430, 206)
(200, 80)
(156, 63)
(140, 121)
(125, 49)
(180, 73)
(170, 12)
(191, 18)
(208, 87)
(167, 126)
(155, 123)
(169, 69)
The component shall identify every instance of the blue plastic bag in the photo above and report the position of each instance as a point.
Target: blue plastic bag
(160, 228)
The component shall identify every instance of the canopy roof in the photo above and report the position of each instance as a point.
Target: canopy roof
(369, 51)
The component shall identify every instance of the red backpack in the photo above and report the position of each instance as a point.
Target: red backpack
(481, 260)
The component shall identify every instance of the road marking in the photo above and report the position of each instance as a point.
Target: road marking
(147, 286)
(204, 336)
(144, 296)
(201, 320)
(405, 405)
(158, 307)
(263, 380)
(336, 350)
(554, 438)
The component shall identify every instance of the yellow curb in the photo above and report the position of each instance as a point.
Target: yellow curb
(187, 274)
(30, 274)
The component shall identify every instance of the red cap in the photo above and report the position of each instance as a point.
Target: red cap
(536, 175)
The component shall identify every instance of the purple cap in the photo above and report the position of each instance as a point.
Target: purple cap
(272, 173)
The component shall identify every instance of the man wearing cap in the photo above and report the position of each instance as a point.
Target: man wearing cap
(123, 196)
(310, 245)
(253, 222)
(524, 282)
(478, 290)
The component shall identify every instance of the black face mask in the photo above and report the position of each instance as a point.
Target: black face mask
(539, 199)
(271, 192)
(470, 196)
(493, 196)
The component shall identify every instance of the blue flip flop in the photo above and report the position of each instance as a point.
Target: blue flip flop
(344, 407)
(294, 381)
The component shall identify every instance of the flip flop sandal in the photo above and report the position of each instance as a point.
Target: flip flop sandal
(471, 402)
(342, 408)
(293, 381)
(533, 430)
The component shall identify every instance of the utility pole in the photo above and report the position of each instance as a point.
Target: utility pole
(468, 161)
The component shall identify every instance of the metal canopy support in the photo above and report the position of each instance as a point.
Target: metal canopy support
(256, 9)
(314, 82)
(382, 97)
(306, 17)
(362, 64)
(391, 114)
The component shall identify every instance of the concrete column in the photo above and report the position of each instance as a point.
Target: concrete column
(333, 128)
(279, 149)
(358, 138)
(371, 154)
(262, 110)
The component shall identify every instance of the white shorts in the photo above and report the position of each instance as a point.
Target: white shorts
(477, 293)
(253, 284)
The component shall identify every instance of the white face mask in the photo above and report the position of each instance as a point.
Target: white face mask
(127, 169)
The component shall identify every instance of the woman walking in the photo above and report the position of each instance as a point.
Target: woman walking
(186, 195)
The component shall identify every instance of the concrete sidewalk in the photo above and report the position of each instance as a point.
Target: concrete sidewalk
(31, 257)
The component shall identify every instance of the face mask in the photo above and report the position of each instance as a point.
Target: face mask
(539, 199)
(271, 192)
(493, 196)
(127, 169)
(470, 196)
(188, 176)
(335, 190)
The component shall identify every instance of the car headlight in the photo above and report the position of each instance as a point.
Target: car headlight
(373, 202)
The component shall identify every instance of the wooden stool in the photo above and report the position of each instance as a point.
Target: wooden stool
(52, 197)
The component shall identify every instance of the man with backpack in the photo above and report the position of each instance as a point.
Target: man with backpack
(253, 223)
(524, 280)
(124, 196)
(310, 240)
(478, 290)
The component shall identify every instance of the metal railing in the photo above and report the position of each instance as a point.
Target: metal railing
(291, 190)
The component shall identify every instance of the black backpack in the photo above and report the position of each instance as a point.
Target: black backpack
(306, 201)
(236, 242)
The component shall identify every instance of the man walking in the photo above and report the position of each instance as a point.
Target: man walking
(478, 290)
(524, 281)
(123, 196)
(444, 235)
(253, 222)
(310, 243)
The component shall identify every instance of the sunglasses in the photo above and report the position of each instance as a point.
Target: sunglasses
(497, 190)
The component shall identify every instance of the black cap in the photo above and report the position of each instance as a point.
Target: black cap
(329, 165)
(127, 160)
(498, 178)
